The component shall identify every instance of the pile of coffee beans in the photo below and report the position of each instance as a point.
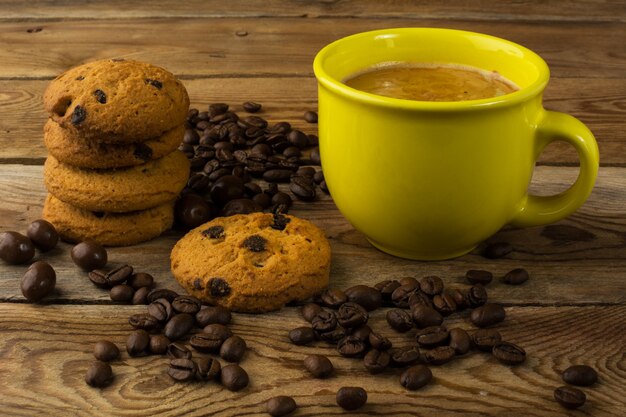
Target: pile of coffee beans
(227, 151)
(580, 375)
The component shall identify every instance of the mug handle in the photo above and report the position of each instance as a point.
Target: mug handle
(536, 210)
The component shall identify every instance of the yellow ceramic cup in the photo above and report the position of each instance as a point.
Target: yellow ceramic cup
(431, 180)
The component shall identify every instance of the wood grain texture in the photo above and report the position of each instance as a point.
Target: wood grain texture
(599, 103)
(577, 261)
(278, 46)
(46, 350)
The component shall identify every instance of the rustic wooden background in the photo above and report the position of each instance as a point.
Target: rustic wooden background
(573, 310)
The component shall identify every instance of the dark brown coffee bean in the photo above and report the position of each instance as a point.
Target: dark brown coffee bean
(387, 288)
(191, 137)
(106, 351)
(401, 295)
(252, 189)
(424, 316)
(459, 299)
(399, 320)
(351, 347)
(306, 172)
(487, 315)
(401, 357)
(439, 355)
(191, 211)
(476, 296)
(161, 309)
(227, 188)
(178, 326)
(351, 398)
(280, 406)
(319, 366)
(508, 353)
(376, 361)
(158, 344)
(89, 255)
(234, 377)
(204, 342)
(416, 377)
(155, 294)
(216, 109)
(431, 285)
(182, 369)
(324, 187)
(298, 138)
(313, 140)
(460, 341)
(334, 336)
(38, 281)
(310, 310)
(486, 339)
(241, 206)
(324, 321)
(263, 200)
(362, 332)
(581, 375)
(178, 351)
(332, 297)
(277, 175)
(255, 121)
(367, 297)
(477, 276)
(219, 330)
(213, 315)
(186, 304)
(43, 235)
(137, 343)
(444, 304)
(108, 279)
(291, 151)
(251, 106)
(517, 276)
(198, 182)
(409, 281)
(497, 250)
(141, 296)
(143, 321)
(302, 335)
(208, 369)
(122, 293)
(570, 397)
(351, 315)
(379, 342)
(303, 188)
(140, 279)
(310, 116)
(15, 248)
(420, 298)
(99, 374)
(315, 157)
(433, 336)
(233, 349)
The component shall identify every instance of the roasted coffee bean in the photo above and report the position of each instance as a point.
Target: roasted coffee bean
(234, 377)
(351, 347)
(277, 175)
(137, 343)
(334, 336)
(178, 351)
(351, 315)
(362, 332)
(106, 351)
(439, 355)
(459, 299)
(433, 336)
(89, 255)
(227, 188)
(155, 294)
(15, 248)
(424, 316)
(43, 235)
(486, 339)
(581, 375)
(204, 342)
(324, 186)
(233, 349)
(351, 398)
(303, 188)
(255, 121)
(310, 310)
(376, 361)
(141, 296)
(318, 177)
(218, 330)
(111, 278)
(252, 189)
(387, 288)
(213, 315)
(122, 293)
(158, 344)
(444, 304)
(367, 297)
(280, 406)
(409, 281)
(38, 281)
(298, 138)
(208, 369)
(306, 172)
(460, 341)
(319, 366)
(379, 342)
(182, 369)
(310, 116)
(497, 250)
(313, 140)
(198, 182)
(570, 397)
(431, 285)
(401, 357)
(143, 321)
(291, 151)
(271, 189)
(216, 109)
(191, 211)
(487, 315)
(332, 297)
(282, 198)
(399, 320)
(251, 106)
(140, 279)
(241, 206)
(263, 200)
(509, 353)
(186, 304)
(476, 296)
(161, 309)
(420, 298)
(401, 295)
(302, 335)
(219, 173)
(517, 276)
(99, 374)
(477, 276)
(178, 326)
(315, 157)
(191, 137)
(416, 377)
(324, 321)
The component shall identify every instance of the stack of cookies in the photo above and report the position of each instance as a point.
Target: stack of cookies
(113, 169)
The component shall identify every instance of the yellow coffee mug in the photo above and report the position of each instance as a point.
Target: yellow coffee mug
(431, 180)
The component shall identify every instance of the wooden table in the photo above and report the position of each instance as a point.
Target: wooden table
(572, 311)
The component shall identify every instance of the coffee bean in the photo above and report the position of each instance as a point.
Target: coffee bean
(143, 321)
(213, 315)
(227, 188)
(191, 137)
(401, 295)
(303, 188)
(218, 330)
(105, 351)
(378, 341)
(182, 369)
(477, 276)
(315, 157)
(281, 198)
(476, 296)
(204, 342)
(581, 375)
(362, 332)
(508, 353)
(332, 297)
(155, 294)
(251, 106)
(302, 336)
(439, 355)
(486, 339)
(433, 336)
(351, 398)
(280, 406)
(416, 377)
(16, 248)
(459, 299)
(376, 361)
(161, 309)
(178, 326)
(186, 304)
(517, 276)
(310, 310)
(444, 304)
(216, 109)
(99, 374)
(487, 315)
(191, 211)
(292, 151)
(399, 320)
(298, 138)
(570, 397)
(351, 347)
(318, 177)
(89, 255)
(178, 351)
(306, 172)
(255, 121)
(263, 200)
(497, 250)
(234, 377)
(38, 281)
(420, 298)
(313, 140)
(319, 366)
(158, 344)
(310, 116)
(334, 336)
(460, 341)
(208, 369)
(108, 279)
(141, 296)
(233, 349)
(424, 316)
(386, 289)
(351, 315)
(241, 206)
(401, 357)
(140, 279)
(431, 285)
(43, 235)
(137, 343)
(367, 297)
(122, 293)
(324, 321)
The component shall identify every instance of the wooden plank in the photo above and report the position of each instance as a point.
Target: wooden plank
(286, 46)
(579, 261)
(47, 349)
(597, 102)
(580, 10)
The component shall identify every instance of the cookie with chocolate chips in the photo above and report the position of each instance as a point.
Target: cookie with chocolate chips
(253, 262)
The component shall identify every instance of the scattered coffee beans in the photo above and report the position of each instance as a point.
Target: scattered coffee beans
(178, 326)
(517, 276)
(367, 297)
(310, 310)
(182, 369)
(486, 339)
(140, 279)
(89, 255)
(106, 351)
(15, 248)
(302, 335)
(38, 281)
(569, 397)
(280, 406)
(439, 355)
(252, 107)
(415, 377)
(43, 235)
(234, 377)
(208, 369)
(509, 353)
(476, 276)
(581, 375)
(399, 320)
(497, 250)
(310, 116)
(177, 351)
(108, 279)
(213, 315)
(376, 361)
(137, 343)
(122, 293)
(319, 366)
(99, 374)
(487, 315)
(351, 398)
(233, 349)
(460, 341)
(159, 344)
